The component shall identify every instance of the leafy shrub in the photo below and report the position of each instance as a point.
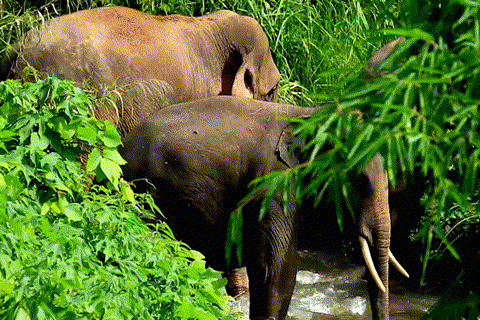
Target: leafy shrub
(70, 253)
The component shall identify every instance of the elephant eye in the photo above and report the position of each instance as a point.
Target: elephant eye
(271, 94)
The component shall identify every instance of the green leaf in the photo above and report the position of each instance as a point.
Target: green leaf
(65, 130)
(6, 286)
(7, 135)
(441, 235)
(11, 185)
(472, 3)
(54, 87)
(111, 170)
(72, 213)
(22, 314)
(94, 159)
(412, 33)
(112, 154)
(188, 311)
(88, 132)
(234, 236)
(110, 137)
(38, 141)
(68, 209)
(127, 192)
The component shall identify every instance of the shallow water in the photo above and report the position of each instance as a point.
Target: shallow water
(329, 287)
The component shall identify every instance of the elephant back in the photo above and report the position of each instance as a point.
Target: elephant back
(146, 62)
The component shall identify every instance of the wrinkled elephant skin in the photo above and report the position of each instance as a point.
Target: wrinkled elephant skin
(199, 158)
(154, 60)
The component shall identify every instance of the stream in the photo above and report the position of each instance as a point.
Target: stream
(330, 287)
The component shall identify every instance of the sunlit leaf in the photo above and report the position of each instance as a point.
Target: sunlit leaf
(110, 138)
(111, 170)
(88, 133)
(6, 286)
(22, 314)
(93, 160)
(114, 155)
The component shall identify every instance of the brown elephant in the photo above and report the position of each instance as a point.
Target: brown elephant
(155, 60)
(379, 56)
(197, 159)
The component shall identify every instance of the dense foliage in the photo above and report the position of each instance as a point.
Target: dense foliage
(420, 112)
(71, 253)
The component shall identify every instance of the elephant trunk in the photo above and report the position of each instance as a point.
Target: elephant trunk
(375, 236)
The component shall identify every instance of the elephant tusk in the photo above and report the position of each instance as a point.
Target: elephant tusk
(367, 256)
(397, 265)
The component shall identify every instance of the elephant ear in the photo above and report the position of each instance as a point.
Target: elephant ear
(284, 148)
(244, 81)
(257, 77)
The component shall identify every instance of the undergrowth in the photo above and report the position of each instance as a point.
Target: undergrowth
(72, 252)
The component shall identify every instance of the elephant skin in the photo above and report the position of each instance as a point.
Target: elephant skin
(154, 60)
(197, 158)
(379, 56)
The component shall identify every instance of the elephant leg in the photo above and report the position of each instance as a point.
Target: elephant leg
(237, 282)
(271, 258)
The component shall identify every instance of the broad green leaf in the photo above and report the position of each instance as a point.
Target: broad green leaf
(39, 141)
(6, 286)
(7, 135)
(61, 125)
(88, 133)
(22, 314)
(94, 159)
(110, 137)
(71, 211)
(13, 186)
(111, 170)
(112, 154)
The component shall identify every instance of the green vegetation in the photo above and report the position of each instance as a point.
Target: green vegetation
(421, 114)
(71, 253)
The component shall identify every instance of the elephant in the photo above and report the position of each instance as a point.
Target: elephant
(154, 60)
(379, 56)
(197, 159)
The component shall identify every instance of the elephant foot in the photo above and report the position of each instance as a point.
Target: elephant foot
(237, 282)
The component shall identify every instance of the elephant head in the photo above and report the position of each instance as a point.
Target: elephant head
(151, 61)
(257, 77)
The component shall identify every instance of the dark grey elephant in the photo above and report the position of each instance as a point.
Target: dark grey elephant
(197, 159)
(154, 60)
